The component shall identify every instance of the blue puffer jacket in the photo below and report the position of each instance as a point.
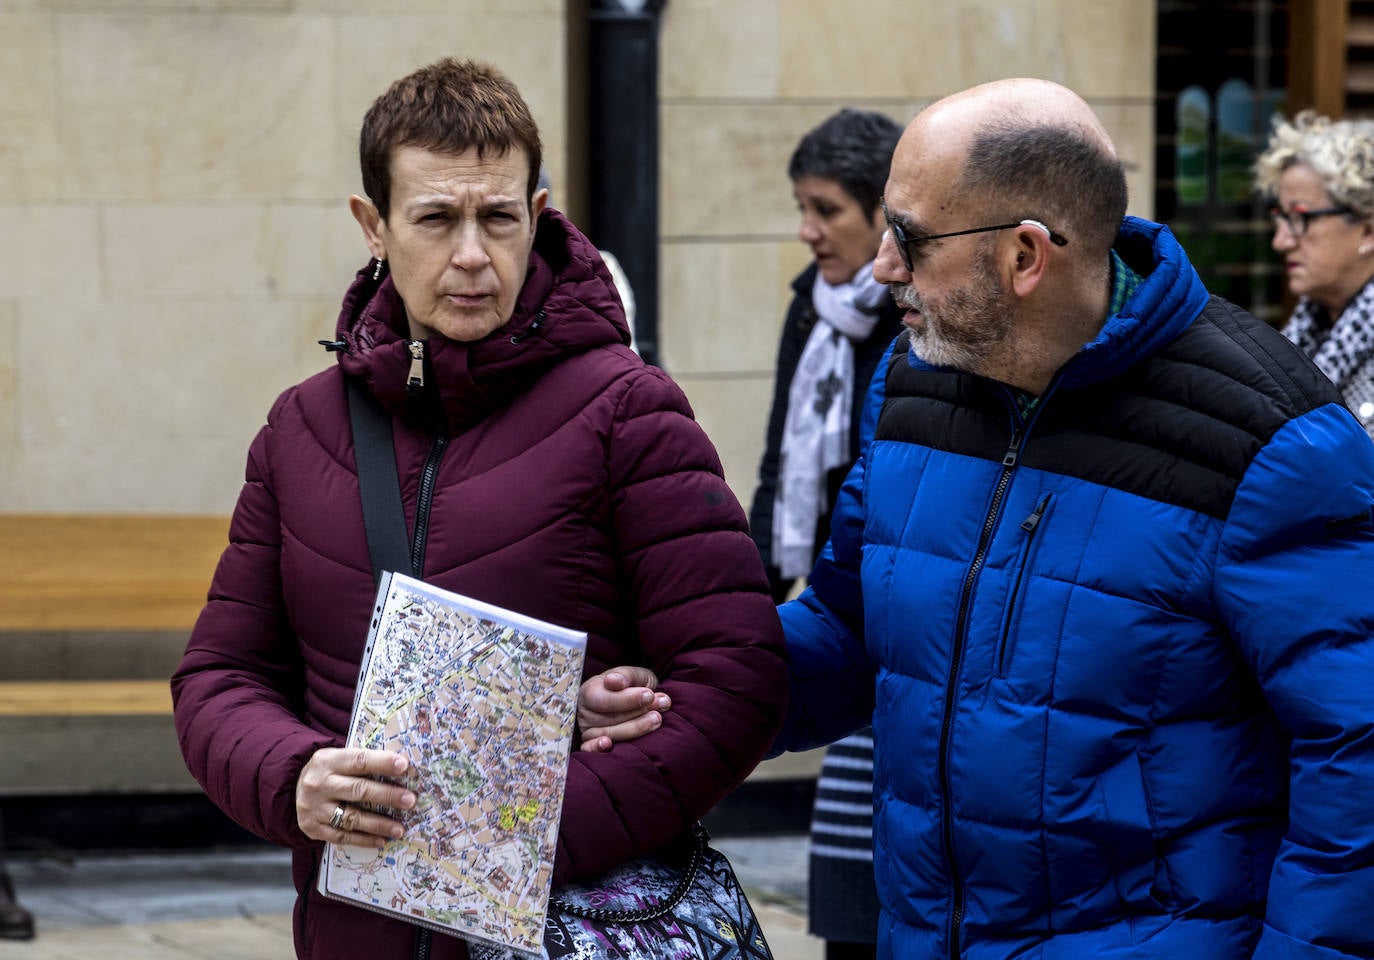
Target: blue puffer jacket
(1120, 658)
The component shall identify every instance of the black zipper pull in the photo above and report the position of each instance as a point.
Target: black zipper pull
(415, 383)
(333, 346)
(1013, 451)
(539, 319)
(1030, 523)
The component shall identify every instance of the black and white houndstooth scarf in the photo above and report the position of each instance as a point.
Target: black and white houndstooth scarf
(1343, 351)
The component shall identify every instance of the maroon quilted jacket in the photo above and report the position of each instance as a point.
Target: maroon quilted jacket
(572, 485)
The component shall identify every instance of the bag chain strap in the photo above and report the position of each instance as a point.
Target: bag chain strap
(602, 915)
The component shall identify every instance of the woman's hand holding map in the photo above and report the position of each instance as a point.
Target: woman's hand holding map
(336, 787)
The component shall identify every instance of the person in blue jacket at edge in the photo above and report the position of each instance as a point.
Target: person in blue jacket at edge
(1101, 577)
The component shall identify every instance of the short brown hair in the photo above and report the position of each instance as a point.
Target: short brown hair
(450, 106)
(1058, 172)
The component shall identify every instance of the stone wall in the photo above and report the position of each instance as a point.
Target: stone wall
(174, 177)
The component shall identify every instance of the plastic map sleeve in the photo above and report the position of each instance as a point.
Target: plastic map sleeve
(482, 700)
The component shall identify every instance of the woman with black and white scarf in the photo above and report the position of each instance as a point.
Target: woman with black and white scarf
(1320, 174)
(839, 324)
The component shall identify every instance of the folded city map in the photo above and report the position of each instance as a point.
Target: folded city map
(482, 700)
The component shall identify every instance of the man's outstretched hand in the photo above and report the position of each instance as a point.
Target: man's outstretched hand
(620, 704)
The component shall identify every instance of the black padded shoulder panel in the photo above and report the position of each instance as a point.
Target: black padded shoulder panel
(1179, 427)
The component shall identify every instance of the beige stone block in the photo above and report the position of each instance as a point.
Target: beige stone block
(188, 251)
(740, 40)
(1100, 49)
(786, 929)
(467, 8)
(49, 655)
(28, 107)
(92, 755)
(1131, 126)
(194, 251)
(9, 373)
(127, 472)
(196, 106)
(314, 319)
(733, 410)
(922, 49)
(156, 411)
(525, 40)
(50, 250)
(725, 167)
(723, 304)
(10, 470)
(310, 6)
(881, 48)
(234, 937)
(160, 6)
(257, 937)
(312, 250)
(344, 174)
(805, 765)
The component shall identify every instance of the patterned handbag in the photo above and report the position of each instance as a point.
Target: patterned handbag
(682, 904)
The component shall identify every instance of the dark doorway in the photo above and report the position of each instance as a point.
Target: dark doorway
(1220, 76)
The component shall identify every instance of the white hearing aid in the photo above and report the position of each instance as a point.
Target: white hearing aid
(1056, 239)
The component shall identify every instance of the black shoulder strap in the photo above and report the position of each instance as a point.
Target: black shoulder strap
(383, 514)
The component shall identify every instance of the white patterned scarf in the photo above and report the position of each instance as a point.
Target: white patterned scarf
(1343, 351)
(815, 434)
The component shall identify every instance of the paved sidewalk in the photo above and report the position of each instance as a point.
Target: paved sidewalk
(236, 905)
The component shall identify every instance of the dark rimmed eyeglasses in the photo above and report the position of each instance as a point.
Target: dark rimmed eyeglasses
(1299, 218)
(905, 242)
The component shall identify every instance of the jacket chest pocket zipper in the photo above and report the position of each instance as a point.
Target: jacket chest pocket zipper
(1005, 643)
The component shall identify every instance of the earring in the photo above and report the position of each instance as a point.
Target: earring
(377, 270)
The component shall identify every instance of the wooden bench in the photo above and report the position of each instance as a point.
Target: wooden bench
(85, 698)
(104, 572)
(94, 612)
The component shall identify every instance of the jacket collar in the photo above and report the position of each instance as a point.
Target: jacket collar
(1164, 305)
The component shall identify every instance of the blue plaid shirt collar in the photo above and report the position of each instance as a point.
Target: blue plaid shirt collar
(1125, 282)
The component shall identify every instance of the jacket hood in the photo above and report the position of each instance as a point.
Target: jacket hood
(567, 305)
(1162, 307)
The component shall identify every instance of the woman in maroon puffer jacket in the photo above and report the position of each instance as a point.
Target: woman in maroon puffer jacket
(547, 469)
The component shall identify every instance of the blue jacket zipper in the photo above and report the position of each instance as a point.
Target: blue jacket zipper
(956, 913)
(1019, 430)
(1031, 524)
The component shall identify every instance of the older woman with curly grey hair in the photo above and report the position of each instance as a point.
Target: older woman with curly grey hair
(1320, 174)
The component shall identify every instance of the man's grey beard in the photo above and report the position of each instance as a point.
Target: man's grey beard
(981, 324)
